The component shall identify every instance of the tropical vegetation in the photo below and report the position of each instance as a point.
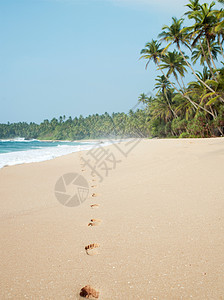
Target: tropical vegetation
(133, 124)
(180, 108)
(192, 44)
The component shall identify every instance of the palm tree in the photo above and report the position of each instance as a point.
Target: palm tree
(196, 88)
(175, 34)
(160, 109)
(220, 37)
(163, 86)
(143, 99)
(153, 52)
(219, 28)
(175, 64)
(203, 55)
(194, 5)
(205, 21)
(184, 107)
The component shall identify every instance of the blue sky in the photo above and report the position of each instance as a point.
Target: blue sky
(72, 57)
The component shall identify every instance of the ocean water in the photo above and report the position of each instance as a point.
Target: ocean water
(19, 151)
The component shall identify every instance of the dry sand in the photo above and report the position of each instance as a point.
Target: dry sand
(161, 234)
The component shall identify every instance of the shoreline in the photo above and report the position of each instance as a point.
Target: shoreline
(78, 141)
(29, 155)
(100, 142)
(161, 232)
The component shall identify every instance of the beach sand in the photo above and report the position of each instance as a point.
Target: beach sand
(160, 231)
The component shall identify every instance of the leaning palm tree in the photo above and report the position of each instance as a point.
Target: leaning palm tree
(153, 52)
(220, 36)
(203, 55)
(196, 88)
(205, 20)
(195, 7)
(175, 65)
(160, 109)
(218, 85)
(219, 28)
(184, 108)
(177, 35)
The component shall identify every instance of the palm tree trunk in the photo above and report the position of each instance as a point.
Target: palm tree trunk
(183, 83)
(220, 45)
(210, 54)
(191, 101)
(198, 78)
(206, 59)
(181, 88)
(173, 132)
(168, 102)
(176, 87)
(215, 114)
(221, 131)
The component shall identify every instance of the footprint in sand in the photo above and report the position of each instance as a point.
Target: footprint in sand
(94, 222)
(94, 205)
(92, 249)
(89, 292)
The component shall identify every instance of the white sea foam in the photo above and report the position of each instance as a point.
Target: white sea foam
(19, 139)
(42, 154)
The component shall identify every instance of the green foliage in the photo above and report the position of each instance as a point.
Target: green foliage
(92, 127)
(179, 109)
(195, 109)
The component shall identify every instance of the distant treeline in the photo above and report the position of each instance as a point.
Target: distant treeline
(133, 124)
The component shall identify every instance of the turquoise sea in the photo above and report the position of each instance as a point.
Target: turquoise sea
(19, 150)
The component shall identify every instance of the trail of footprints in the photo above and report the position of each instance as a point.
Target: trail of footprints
(91, 249)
